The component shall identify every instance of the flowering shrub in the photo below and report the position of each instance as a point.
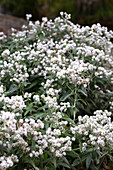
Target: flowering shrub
(56, 98)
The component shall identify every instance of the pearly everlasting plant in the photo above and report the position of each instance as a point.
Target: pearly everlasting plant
(56, 95)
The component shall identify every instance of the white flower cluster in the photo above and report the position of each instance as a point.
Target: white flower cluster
(27, 95)
(58, 144)
(7, 162)
(36, 97)
(51, 102)
(111, 104)
(60, 59)
(28, 16)
(80, 52)
(12, 66)
(95, 131)
(52, 91)
(15, 103)
(21, 133)
(2, 36)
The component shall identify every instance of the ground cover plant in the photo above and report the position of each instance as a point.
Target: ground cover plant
(56, 98)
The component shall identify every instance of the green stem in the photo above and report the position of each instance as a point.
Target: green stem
(74, 106)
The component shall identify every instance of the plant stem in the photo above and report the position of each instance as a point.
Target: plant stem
(75, 100)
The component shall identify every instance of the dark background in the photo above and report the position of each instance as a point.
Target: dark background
(84, 12)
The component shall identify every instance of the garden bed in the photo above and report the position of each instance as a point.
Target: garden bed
(56, 97)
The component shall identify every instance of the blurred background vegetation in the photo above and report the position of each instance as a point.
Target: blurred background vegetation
(84, 12)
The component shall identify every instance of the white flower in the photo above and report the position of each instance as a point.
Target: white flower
(28, 16)
(73, 138)
(31, 155)
(93, 142)
(1, 89)
(61, 13)
(83, 149)
(44, 19)
(84, 144)
(6, 52)
(40, 151)
(36, 97)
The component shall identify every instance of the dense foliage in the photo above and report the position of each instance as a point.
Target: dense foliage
(56, 98)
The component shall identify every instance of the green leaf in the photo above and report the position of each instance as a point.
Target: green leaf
(88, 160)
(38, 115)
(43, 107)
(54, 162)
(68, 119)
(26, 112)
(64, 158)
(12, 90)
(29, 107)
(64, 165)
(83, 92)
(110, 94)
(32, 85)
(47, 160)
(76, 162)
(46, 168)
(90, 150)
(72, 154)
(29, 161)
(1, 105)
(30, 69)
(80, 145)
(41, 36)
(26, 83)
(73, 168)
(33, 144)
(93, 167)
(82, 101)
(65, 96)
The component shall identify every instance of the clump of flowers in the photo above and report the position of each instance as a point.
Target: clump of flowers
(53, 76)
(95, 131)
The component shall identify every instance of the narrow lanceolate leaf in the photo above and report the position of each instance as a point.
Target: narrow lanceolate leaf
(65, 160)
(54, 162)
(26, 112)
(32, 85)
(30, 161)
(76, 162)
(12, 90)
(64, 165)
(88, 160)
(68, 119)
(82, 101)
(38, 115)
(83, 92)
(66, 96)
(72, 154)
